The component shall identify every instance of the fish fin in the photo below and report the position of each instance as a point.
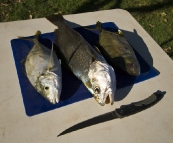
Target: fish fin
(97, 50)
(24, 71)
(120, 33)
(97, 28)
(60, 61)
(61, 57)
(56, 35)
(55, 18)
(23, 61)
(36, 36)
(89, 28)
(88, 84)
(50, 59)
(93, 59)
(25, 38)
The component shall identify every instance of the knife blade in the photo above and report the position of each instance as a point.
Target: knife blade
(123, 111)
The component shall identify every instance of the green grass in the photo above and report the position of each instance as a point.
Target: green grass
(155, 16)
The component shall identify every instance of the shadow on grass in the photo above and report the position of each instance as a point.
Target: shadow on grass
(167, 41)
(97, 5)
(93, 5)
(152, 7)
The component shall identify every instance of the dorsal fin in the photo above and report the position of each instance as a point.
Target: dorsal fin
(50, 59)
(99, 26)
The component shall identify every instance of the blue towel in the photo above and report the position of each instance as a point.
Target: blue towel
(73, 90)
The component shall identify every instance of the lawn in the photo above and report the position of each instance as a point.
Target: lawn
(155, 16)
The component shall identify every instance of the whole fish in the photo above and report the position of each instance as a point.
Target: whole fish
(88, 65)
(117, 51)
(43, 70)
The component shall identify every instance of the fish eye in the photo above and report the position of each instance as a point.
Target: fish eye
(96, 90)
(46, 87)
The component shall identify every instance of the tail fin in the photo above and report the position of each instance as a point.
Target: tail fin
(37, 34)
(120, 33)
(55, 18)
(36, 37)
(99, 26)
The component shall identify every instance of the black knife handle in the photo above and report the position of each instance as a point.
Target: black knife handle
(136, 107)
(127, 110)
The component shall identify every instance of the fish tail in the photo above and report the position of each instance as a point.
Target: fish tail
(56, 19)
(99, 26)
(25, 38)
(37, 34)
(120, 33)
(36, 37)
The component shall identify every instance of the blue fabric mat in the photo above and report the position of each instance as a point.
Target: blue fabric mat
(73, 90)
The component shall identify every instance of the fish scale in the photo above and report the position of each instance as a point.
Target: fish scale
(79, 58)
(67, 38)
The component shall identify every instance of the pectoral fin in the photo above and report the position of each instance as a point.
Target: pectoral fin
(89, 86)
(97, 50)
(23, 61)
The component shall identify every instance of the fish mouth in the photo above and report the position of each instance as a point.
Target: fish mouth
(133, 69)
(53, 97)
(109, 99)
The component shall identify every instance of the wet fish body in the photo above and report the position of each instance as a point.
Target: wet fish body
(86, 64)
(43, 70)
(117, 51)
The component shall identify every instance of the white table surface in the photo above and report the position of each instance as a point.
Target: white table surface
(152, 125)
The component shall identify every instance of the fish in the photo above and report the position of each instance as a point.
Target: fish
(43, 70)
(117, 50)
(85, 63)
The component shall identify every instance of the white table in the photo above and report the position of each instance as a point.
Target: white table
(152, 125)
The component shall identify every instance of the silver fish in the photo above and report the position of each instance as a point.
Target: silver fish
(86, 64)
(43, 70)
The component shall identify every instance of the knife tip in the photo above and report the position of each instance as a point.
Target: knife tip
(59, 135)
(62, 133)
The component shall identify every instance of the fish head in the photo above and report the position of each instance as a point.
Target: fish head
(49, 85)
(132, 66)
(103, 82)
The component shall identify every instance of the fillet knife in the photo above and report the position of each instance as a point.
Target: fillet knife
(123, 111)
